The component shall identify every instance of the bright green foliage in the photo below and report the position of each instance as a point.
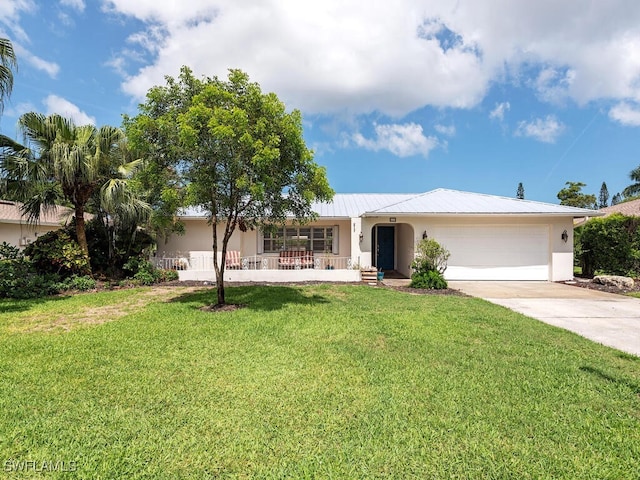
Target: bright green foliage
(8, 64)
(429, 265)
(431, 280)
(430, 256)
(81, 283)
(61, 162)
(9, 252)
(242, 154)
(313, 382)
(611, 245)
(144, 272)
(633, 189)
(572, 196)
(56, 252)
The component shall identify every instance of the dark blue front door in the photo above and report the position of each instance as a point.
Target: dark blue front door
(385, 248)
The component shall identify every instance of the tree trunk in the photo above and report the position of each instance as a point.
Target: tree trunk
(220, 288)
(80, 230)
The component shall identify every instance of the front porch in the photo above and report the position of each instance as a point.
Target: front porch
(260, 268)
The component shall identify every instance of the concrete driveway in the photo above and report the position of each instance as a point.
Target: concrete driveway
(610, 319)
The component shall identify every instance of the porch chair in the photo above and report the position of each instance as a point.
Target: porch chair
(233, 260)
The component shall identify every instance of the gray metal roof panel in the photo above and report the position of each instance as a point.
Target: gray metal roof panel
(443, 201)
(435, 202)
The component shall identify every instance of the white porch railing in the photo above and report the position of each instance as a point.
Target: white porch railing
(257, 262)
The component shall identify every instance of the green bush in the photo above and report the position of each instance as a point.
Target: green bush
(144, 272)
(56, 252)
(19, 279)
(9, 252)
(610, 245)
(82, 283)
(430, 256)
(431, 280)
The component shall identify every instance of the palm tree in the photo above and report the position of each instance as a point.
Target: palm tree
(633, 189)
(62, 161)
(8, 63)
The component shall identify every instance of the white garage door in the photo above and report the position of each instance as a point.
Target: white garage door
(497, 252)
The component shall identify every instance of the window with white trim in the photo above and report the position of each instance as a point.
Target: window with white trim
(316, 239)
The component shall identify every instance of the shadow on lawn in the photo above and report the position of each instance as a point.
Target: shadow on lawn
(610, 378)
(8, 305)
(254, 297)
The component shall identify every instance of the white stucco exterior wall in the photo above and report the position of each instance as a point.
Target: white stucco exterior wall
(20, 234)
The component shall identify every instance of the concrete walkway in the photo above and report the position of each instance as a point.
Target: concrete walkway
(610, 319)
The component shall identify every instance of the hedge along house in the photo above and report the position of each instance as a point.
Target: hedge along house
(489, 237)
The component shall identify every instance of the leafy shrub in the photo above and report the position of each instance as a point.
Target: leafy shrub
(168, 275)
(82, 283)
(19, 279)
(431, 280)
(430, 256)
(610, 245)
(9, 252)
(145, 272)
(56, 252)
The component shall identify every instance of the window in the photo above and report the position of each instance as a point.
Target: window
(316, 239)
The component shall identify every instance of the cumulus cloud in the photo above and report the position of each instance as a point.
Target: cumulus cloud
(401, 140)
(626, 114)
(394, 57)
(500, 109)
(545, 130)
(62, 106)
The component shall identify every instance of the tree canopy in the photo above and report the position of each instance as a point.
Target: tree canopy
(61, 162)
(8, 64)
(240, 154)
(573, 196)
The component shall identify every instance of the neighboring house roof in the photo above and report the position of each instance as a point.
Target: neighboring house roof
(631, 209)
(436, 202)
(11, 212)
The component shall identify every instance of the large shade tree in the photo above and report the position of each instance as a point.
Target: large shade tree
(242, 155)
(8, 64)
(59, 162)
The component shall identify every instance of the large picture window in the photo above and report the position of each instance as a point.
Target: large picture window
(316, 239)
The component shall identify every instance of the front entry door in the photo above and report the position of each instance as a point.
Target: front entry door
(385, 248)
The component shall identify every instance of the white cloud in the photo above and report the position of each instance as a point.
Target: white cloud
(50, 68)
(401, 140)
(77, 4)
(546, 129)
(19, 109)
(626, 114)
(499, 111)
(62, 106)
(447, 130)
(394, 57)
(10, 11)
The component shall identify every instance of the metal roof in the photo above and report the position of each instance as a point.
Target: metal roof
(435, 202)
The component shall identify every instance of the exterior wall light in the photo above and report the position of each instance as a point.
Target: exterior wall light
(564, 236)
(361, 237)
(424, 235)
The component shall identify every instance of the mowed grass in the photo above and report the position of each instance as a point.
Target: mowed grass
(309, 382)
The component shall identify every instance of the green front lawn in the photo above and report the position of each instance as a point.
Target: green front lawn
(308, 382)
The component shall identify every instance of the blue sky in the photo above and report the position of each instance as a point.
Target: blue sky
(402, 96)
